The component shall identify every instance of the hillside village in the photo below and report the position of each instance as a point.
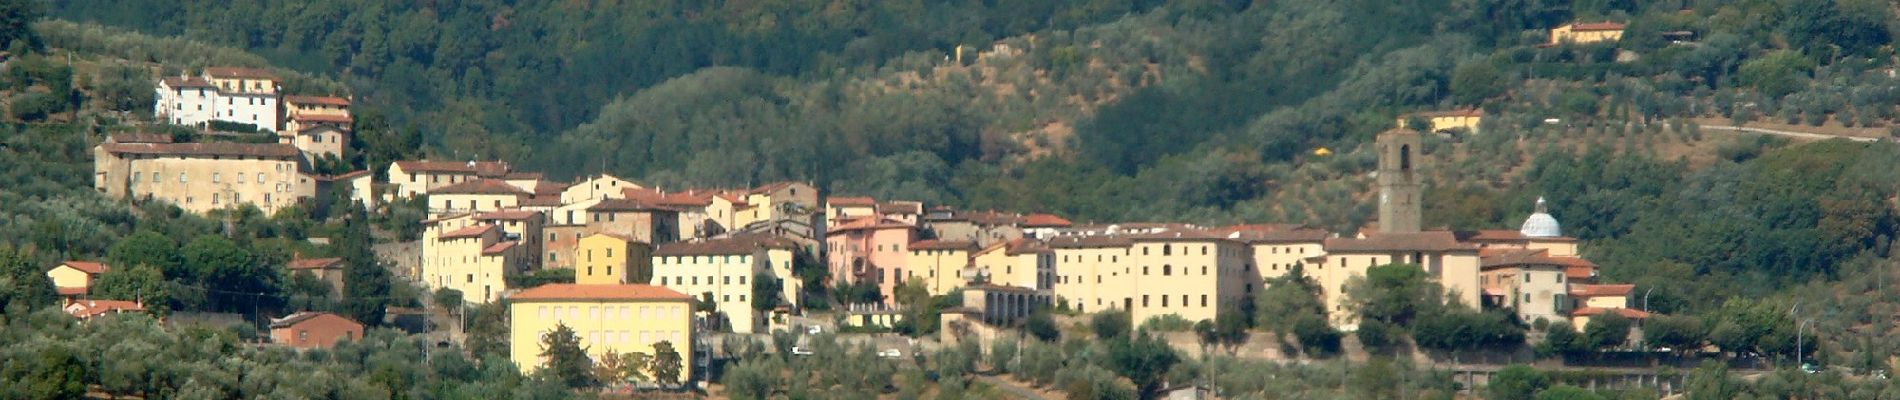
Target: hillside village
(718, 251)
(508, 275)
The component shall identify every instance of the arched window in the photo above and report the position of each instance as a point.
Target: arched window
(1167, 250)
(1405, 157)
(1167, 270)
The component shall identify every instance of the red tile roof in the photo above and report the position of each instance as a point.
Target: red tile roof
(901, 207)
(72, 291)
(1420, 241)
(323, 100)
(851, 201)
(239, 72)
(1601, 290)
(1088, 242)
(337, 119)
(482, 168)
(87, 266)
(1625, 312)
(934, 244)
(499, 248)
(735, 245)
(691, 198)
(871, 223)
(510, 215)
(1045, 221)
(576, 292)
(139, 137)
(1496, 257)
(308, 316)
(624, 205)
(480, 186)
(469, 232)
(94, 308)
(1596, 26)
(274, 150)
(314, 263)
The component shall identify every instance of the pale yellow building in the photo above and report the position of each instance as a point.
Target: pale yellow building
(840, 209)
(1586, 32)
(606, 258)
(598, 187)
(477, 195)
(784, 200)
(1452, 263)
(1188, 273)
(200, 177)
(476, 260)
(75, 278)
(1023, 263)
(1088, 271)
(1466, 120)
(1277, 249)
(416, 178)
(939, 264)
(724, 270)
(606, 319)
(1530, 282)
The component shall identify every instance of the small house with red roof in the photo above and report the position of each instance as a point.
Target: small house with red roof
(314, 330)
(74, 279)
(86, 310)
(328, 270)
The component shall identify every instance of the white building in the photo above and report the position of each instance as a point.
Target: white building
(240, 95)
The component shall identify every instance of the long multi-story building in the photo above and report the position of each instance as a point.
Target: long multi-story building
(476, 258)
(416, 178)
(201, 177)
(606, 318)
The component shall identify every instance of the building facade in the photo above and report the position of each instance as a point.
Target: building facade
(200, 177)
(611, 259)
(606, 318)
(725, 271)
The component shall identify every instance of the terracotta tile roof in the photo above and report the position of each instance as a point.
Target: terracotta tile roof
(1025, 246)
(1421, 241)
(1601, 290)
(1503, 235)
(482, 168)
(351, 174)
(239, 73)
(274, 150)
(575, 292)
(322, 100)
(871, 223)
(1495, 257)
(301, 317)
(625, 205)
(692, 198)
(89, 267)
(499, 248)
(1040, 220)
(541, 202)
(934, 244)
(1579, 272)
(469, 232)
(325, 118)
(72, 291)
(514, 176)
(735, 245)
(181, 82)
(771, 187)
(94, 308)
(313, 263)
(1625, 312)
(445, 217)
(901, 207)
(139, 137)
(480, 186)
(1198, 235)
(620, 237)
(1596, 26)
(1088, 242)
(851, 201)
(1468, 112)
(510, 215)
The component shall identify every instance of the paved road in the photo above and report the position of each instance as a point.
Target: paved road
(1804, 135)
(1018, 391)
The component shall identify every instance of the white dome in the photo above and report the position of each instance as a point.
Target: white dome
(1541, 224)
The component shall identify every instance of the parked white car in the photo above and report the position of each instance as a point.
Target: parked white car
(801, 351)
(890, 353)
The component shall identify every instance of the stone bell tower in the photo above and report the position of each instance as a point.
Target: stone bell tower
(1399, 197)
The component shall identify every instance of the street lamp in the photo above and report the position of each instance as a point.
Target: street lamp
(1646, 299)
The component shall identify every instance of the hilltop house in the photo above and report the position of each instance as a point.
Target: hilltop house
(1586, 32)
(201, 177)
(75, 278)
(313, 330)
(237, 95)
(1465, 120)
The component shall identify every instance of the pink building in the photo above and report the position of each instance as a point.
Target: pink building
(870, 249)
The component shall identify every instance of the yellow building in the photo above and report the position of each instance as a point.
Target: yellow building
(1188, 273)
(477, 195)
(1586, 32)
(939, 264)
(783, 200)
(1276, 249)
(1085, 266)
(75, 278)
(1530, 282)
(476, 259)
(606, 259)
(841, 209)
(1452, 263)
(1023, 263)
(598, 187)
(1467, 120)
(725, 271)
(606, 319)
(200, 177)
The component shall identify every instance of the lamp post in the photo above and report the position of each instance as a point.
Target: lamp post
(1797, 343)
(1646, 298)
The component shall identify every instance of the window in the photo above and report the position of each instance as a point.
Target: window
(1203, 270)
(181, 177)
(1527, 277)
(135, 177)
(1167, 250)
(1164, 300)
(610, 270)
(1144, 300)
(1167, 270)
(214, 198)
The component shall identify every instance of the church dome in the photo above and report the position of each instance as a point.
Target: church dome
(1541, 224)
